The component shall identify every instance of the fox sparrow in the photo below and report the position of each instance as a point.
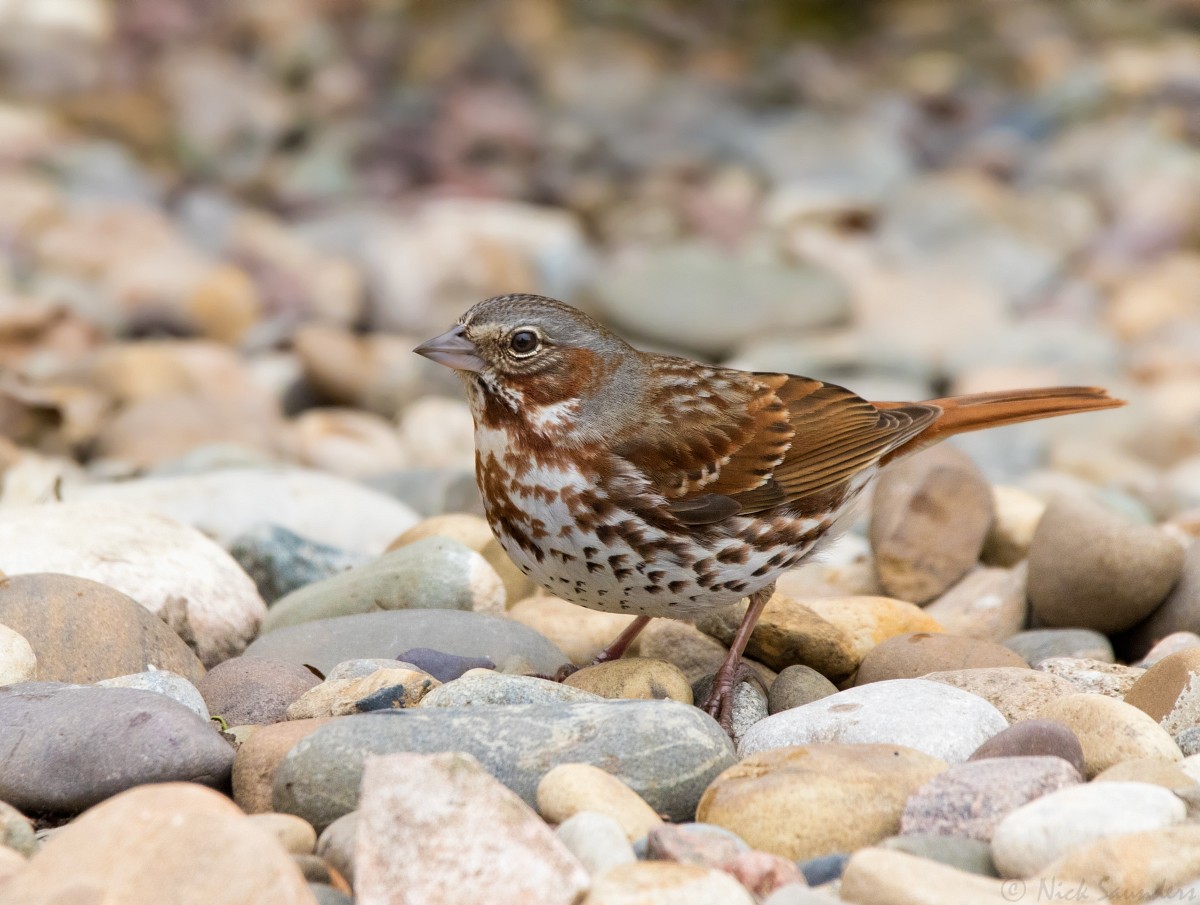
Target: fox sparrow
(639, 483)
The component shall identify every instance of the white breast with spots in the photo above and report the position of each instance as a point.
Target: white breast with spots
(610, 575)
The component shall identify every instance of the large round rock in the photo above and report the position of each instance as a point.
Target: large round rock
(82, 631)
(1090, 568)
(63, 748)
(324, 643)
(665, 751)
(931, 717)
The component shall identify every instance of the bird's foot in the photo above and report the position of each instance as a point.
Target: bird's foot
(565, 672)
(719, 704)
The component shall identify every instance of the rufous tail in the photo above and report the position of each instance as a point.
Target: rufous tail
(977, 411)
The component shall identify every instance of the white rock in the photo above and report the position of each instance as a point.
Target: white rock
(228, 502)
(17, 660)
(439, 828)
(1038, 833)
(163, 681)
(597, 840)
(937, 719)
(169, 568)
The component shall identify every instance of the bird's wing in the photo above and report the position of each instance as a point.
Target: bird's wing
(740, 442)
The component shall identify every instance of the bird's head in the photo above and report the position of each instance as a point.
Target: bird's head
(526, 350)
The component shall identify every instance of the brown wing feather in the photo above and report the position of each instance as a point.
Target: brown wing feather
(741, 442)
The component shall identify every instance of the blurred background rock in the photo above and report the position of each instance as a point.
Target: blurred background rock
(224, 225)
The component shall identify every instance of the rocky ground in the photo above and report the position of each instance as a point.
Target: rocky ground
(257, 644)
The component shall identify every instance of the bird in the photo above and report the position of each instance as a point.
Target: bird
(652, 485)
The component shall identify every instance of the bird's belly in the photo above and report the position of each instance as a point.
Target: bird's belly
(623, 565)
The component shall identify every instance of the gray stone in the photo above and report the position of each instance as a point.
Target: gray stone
(281, 561)
(665, 751)
(324, 643)
(254, 690)
(324, 894)
(66, 748)
(431, 491)
(937, 719)
(1083, 552)
(969, 800)
(597, 840)
(1040, 644)
(432, 573)
(797, 686)
(480, 687)
(1189, 741)
(970, 855)
(708, 301)
(443, 666)
(177, 688)
(749, 704)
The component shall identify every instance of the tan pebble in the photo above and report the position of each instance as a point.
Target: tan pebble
(1017, 692)
(1017, 513)
(1132, 867)
(294, 833)
(795, 801)
(988, 604)
(1169, 692)
(1110, 731)
(878, 876)
(912, 656)
(338, 697)
(259, 757)
(867, 621)
(634, 677)
(1152, 770)
(569, 789)
(666, 883)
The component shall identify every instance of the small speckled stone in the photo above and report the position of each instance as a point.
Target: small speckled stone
(597, 840)
(341, 697)
(1110, 731)
(570, 789)
(1189, 741)
(365, 666)
(1092, 676)
(703, 844)
(761, 873)
(1017, 692)
(1041, 644)
(634, 677)
(1034, 738)
(797, 686)
(969, 800)
(749, 705)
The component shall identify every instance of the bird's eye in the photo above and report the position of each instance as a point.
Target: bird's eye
(524, 342)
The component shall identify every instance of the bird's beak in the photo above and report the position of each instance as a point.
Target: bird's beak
(453, 350)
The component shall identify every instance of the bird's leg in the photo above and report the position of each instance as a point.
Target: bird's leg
(732, 672)
(615, 650)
